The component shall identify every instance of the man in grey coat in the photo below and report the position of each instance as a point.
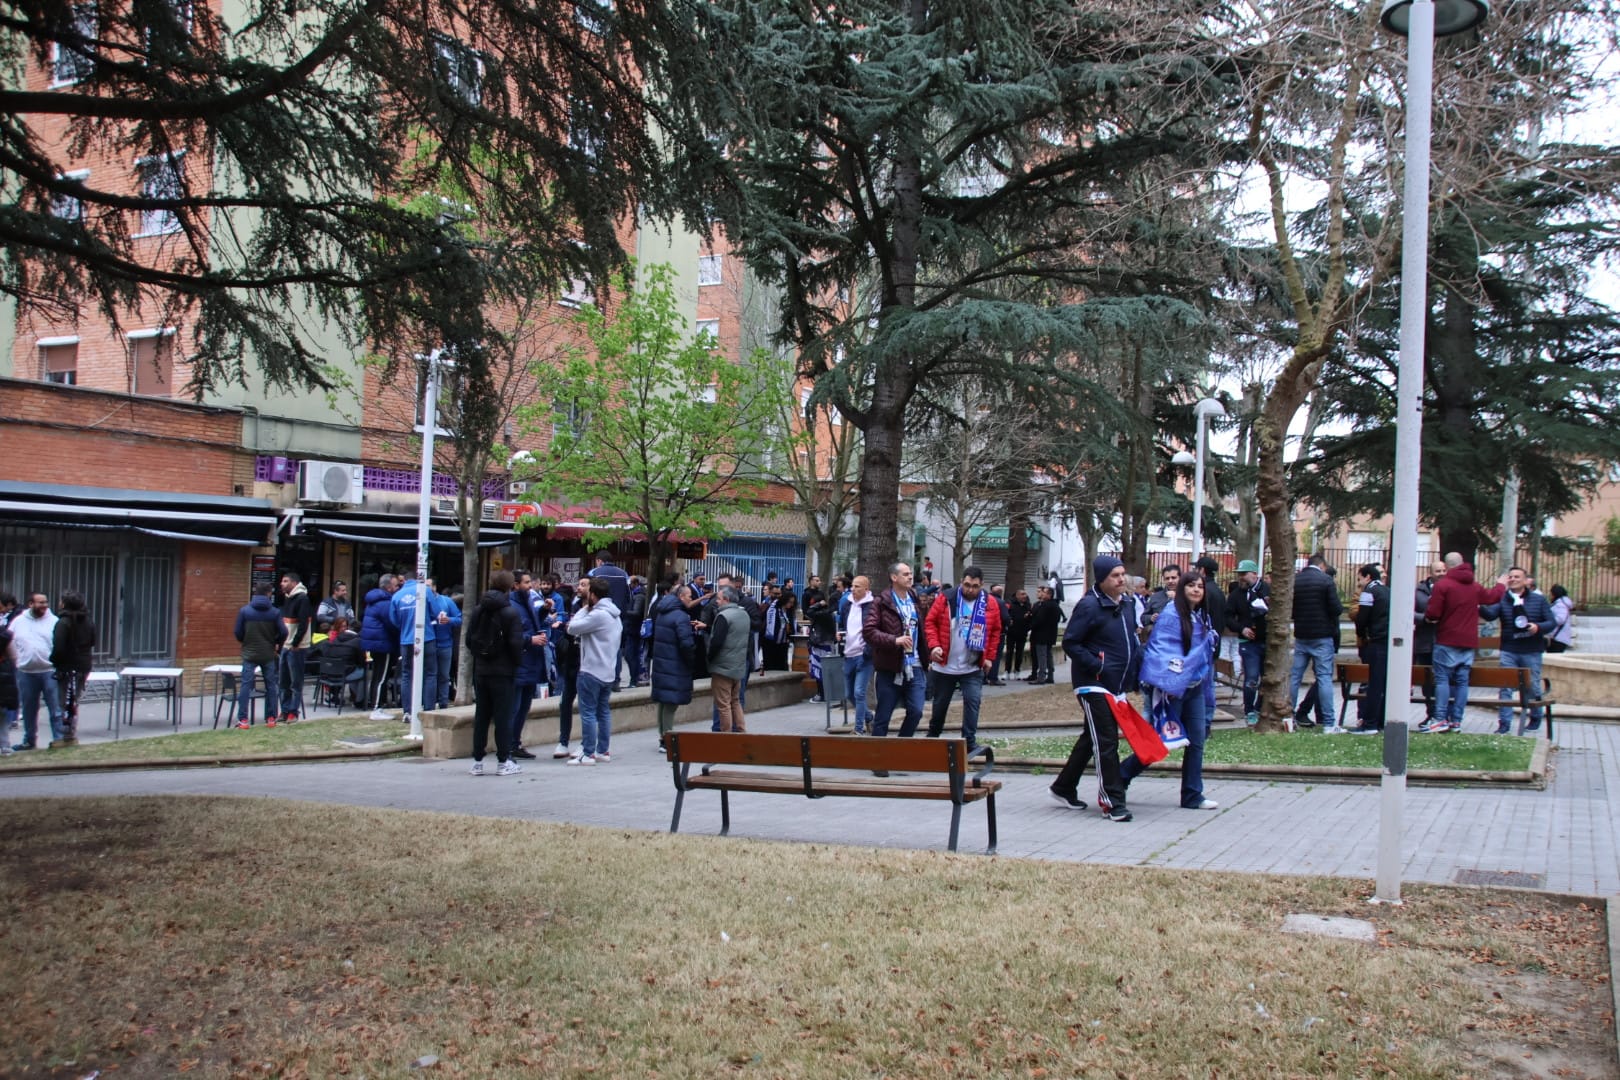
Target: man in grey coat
(728, 658)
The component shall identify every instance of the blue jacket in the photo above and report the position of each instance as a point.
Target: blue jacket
(1101, 643)
(377, 633)
(439, 603)
(618, 584)
(404, 613)
(1164, 649)
(673, 651)
(259, 628)
(1536, 610)
(532, 669)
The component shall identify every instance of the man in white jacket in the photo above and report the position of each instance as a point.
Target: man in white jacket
(32, 632)
(599, 628)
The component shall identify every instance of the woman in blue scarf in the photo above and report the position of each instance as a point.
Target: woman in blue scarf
(1178, 678)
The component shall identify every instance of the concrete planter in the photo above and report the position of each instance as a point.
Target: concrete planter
(1583, 679)
(447, 733)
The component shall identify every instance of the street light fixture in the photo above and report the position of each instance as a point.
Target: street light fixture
(1206, 409)
(1419, 21)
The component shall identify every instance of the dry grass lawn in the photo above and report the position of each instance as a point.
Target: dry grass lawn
(154, 937)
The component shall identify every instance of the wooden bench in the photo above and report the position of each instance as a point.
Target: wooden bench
(1354, 675)
(808, 753)
(1484, 676)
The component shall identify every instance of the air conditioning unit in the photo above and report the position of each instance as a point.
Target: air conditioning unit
(331, 482)
(518, 487)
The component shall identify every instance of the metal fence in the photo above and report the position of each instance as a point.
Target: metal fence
(1591, 574)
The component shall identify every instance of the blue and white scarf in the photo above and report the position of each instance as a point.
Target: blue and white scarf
(973, 632)
(908, 617)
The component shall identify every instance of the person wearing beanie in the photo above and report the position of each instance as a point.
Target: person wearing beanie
(1104, 653)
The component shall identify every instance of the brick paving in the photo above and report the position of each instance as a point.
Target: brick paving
(1568, 834)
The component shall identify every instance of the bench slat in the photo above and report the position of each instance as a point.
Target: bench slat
(829, 752)
(870, 787)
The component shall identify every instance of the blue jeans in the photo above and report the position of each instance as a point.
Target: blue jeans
(430, 676)
(522, 698)
(444, 659)
(292, 681)
(31, 686)
(1253, 654)
(1319, 653)
(595, 716)
(890, 694)
(857, 677)
(1532, 662)
(244, 689)
(632, 650)
(1452, 667)
(1196, 721)
(945, 685)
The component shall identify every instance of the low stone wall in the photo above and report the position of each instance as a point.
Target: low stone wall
(447, 733)
(1583, 678)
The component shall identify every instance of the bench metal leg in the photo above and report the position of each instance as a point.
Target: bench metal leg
(956, 823)
(675, 822)
(990, 811)
(725, 812)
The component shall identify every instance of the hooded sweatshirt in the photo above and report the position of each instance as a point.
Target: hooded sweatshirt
(1454, 607)
(599, 629)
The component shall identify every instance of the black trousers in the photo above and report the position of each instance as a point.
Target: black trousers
(1426, 659)
(1017, 660)
(1376, 657)
(1100, 736)
(495, 699)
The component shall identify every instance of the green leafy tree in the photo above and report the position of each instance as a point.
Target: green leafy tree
(278, 138)
(962, 157)
(651, 429)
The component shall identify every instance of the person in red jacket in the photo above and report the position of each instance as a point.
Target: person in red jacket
(1454, 612)
(964, 632)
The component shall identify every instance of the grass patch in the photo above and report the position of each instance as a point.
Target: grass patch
(302, 737)
(1473, 753)
(254, 937)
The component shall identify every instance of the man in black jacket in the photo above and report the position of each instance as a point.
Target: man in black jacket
(1372, 632)
(1105, 653)
(997, 595)
(495, 637)
(1316, 635)
(1246, 607)
(1019, 613)
(1043, 627)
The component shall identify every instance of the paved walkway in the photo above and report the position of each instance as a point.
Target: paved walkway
(1566, 837)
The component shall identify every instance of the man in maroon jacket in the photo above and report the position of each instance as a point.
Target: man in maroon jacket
(890, 627)
(1454, 612)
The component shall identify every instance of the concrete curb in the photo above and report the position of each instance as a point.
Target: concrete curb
(1535, 777)
(1613, 911)
(47, 769)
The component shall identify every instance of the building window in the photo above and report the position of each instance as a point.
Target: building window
(582, 136)
(59, 360)
(569, 419)
(709, 269)
(168, 26)
(709, 328)
(67, 207)
(578, 293)
(460, 68)
(75, 59)
(709, 395)
(151, 353)
(160, 180)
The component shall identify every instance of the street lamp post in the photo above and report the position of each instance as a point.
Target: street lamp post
(430, 424)
(1205, 410)
(1420, 22)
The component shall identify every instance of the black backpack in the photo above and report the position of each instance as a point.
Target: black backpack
(487, 641)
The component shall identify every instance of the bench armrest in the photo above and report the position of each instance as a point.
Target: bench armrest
(989, 756)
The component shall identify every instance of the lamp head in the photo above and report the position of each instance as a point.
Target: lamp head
(1450, 16)
(1209, 408)
(1182, 457)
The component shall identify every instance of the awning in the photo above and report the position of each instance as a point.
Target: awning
(359, 528)
(187, 516)
(995, 537)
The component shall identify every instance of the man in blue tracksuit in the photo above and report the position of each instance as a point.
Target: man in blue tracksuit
(446, 616)
(1527, 619)
(1104, 652)
(404, 613)
(532, 668)
(618, 583)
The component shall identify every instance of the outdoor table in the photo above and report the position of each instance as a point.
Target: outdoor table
(223, 675)
(112, 702)
(170, 679)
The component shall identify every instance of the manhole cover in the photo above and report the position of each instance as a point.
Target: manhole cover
(1512, 878)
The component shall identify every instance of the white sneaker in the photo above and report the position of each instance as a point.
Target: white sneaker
(477, 768)
(561, 751)
(1336, 729)
(509, 768)
(604, 757)
(1206, 804)
(582, 759)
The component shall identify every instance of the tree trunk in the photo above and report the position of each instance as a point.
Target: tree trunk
(472, 517)
(1017, 548)
(880, 482)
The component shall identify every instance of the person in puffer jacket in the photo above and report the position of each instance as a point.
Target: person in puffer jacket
(260, 630)
(378, 636)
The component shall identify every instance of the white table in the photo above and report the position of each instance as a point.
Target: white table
(171, 677)
(220, 673)
(112, 702)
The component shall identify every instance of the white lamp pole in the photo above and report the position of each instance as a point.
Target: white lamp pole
(1206, 408)
(424, 513)
(1420, 21)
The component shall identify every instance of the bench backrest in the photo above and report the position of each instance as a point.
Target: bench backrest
(818, 751)
(1497, 678)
